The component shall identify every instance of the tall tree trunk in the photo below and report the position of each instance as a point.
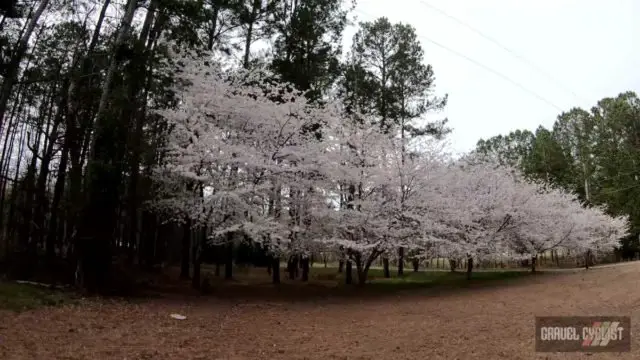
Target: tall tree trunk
(26, 237)
(197, 257)
(102, 180)
(140, 74)
(12, 131)
(361, 272)
(18, 52)
(101, 121)
(305, 268)
(401, 261)
(348, 279)
(249, 36)
(186, 249)
(587, 259)
(14, 193)
(52, 236)
(534, 261)
(77, 123)
(275, 270)
(385, 267)
(228, 264)
(42, 205)
(213, 27)
(292, 267)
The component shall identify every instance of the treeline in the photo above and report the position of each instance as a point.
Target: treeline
(595, 153)
(83, 87)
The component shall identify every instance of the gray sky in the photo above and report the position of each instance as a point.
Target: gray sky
(590, 48)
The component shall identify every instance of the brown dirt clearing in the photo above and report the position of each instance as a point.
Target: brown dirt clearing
(480, 323)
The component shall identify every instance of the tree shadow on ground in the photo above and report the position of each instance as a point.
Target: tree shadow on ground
(325, 284)
(254, 285)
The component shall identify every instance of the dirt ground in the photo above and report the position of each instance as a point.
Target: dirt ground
(482, 323)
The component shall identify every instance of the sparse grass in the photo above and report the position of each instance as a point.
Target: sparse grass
(428, 279)
(250, 282)
(441, 279)
(20, 297)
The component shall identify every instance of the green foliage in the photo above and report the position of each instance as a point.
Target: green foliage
(308, 44)
(387, 60)
(594, 153)
(511, 149)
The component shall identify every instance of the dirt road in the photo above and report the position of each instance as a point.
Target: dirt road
(490, 323)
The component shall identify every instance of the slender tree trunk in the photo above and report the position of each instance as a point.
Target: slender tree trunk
(99, 213)
(186, 249)
(534, 260)
(305, 268)
(134, 112)
(469, 267)
(401, 261)
(249, 36)
(587, 259)
(13, 68)
(152, 239)
(195, 280)
(113, 64)
(292, 267)
(385, 267)
(228, 265)
(12, 131)
(11, 223)
(348, 279)
(213, 27)
(52, 238)
(360, 270)
(77, 122)
(197, 258)
(41, 184)
(416, 265)
(275, 270)
(26, 235)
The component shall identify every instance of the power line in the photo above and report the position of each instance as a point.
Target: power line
(503, 47)
(485, 67)
(495, 72)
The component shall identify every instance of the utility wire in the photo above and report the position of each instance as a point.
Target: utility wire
(503, 47)
(485, 67)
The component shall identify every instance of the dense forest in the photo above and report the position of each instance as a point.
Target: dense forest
(593, 153)
(142, 133)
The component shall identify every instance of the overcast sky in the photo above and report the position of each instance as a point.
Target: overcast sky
(590, 48)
